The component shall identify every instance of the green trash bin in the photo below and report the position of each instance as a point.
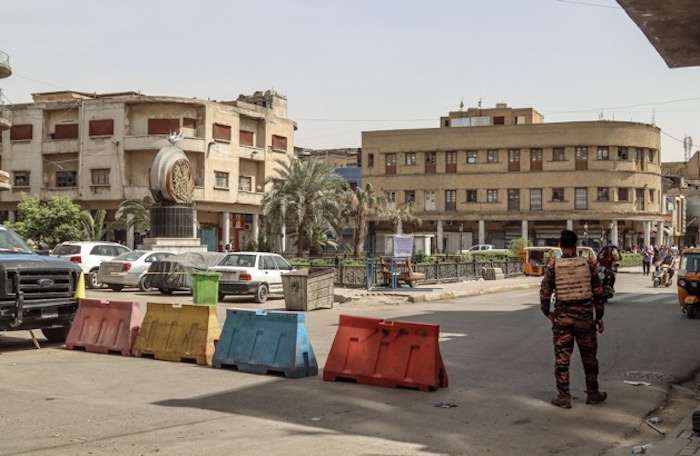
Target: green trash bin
(205, 288)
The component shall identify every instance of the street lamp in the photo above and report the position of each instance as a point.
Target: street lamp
(461, 237)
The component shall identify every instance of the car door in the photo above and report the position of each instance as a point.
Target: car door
(273, 276)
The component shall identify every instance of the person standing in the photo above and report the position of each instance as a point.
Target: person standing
(576, 317)
(647, 255)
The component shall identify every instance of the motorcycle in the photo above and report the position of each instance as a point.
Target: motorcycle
(662, 276)
(606, 275)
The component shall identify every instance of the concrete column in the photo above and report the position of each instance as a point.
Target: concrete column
(647, 233)
(256, 227)
(613, 233)
(12, 216)
(283, 237)
(482, 232)
(439, 237)
(524, 230)
(194, 224)
(570, 225)
(226, 231)
(660, 233)
(130, 233)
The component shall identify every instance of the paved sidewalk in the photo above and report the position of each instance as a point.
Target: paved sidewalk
(681, 441)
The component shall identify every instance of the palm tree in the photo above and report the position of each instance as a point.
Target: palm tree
(135, 213)
(360, 205)
(308, 195)
(94, 227)
(397, 215)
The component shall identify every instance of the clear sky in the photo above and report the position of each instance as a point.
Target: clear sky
(356, 65)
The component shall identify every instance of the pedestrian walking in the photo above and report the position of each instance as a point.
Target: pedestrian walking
(576, 317)
(647, 255)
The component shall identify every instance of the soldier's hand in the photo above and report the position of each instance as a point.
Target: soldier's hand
(601, 326)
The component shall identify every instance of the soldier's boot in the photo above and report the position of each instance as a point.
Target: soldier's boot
(596, 397)
(562, 401)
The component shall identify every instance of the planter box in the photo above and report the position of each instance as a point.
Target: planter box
(308, 289)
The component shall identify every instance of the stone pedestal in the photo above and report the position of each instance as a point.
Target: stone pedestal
(172, 229)
(174, 245)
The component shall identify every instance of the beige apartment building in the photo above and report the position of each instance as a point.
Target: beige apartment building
(98, 150)
(493, 175)
(5, 124)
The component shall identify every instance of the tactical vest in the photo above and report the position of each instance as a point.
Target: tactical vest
(572, 278)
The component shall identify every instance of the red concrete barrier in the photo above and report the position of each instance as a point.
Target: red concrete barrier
(105, 326)
(386, 353)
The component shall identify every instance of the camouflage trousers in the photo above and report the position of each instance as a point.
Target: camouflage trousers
(575, 325)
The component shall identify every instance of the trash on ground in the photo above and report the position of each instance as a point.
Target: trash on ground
(637, 383)
(654, 427)
(655, 420)
(315, 419)
(639, 449)
(444, 405)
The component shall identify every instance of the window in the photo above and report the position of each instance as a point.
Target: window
(451, 161)
(581, 158)
(409, 196)
(450, 200)
(279, 143)
(370, 160)
(651, 195)
(430, 200)
(221, 132)
(410, 158)
(639, 199)
(20, 132)
(221, 179)
(102, 127)
(65, 179)
(513, 159)
(471, 196)
(245, 183)
(66, 131)
(622, 194)
(499, 120)
(603, 194)
(652, 156)
(492, 195)
(390, 167)
(622, 153)
(430, 161)
(390, 197)
(472, 157)
(163, 126)
(99, 176)
(188, 122)
(581, 198)
(558, 195)
(246, 138)
(513, 199)
(535, 159)
(492, 156)
(603, 153)
(536, 199)
(639, 159)
(21, 178)
(558, 154)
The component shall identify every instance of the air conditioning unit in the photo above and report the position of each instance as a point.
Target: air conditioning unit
(248, 227)
(448, 222)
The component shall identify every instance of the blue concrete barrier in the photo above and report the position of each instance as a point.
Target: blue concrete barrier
(261, 342)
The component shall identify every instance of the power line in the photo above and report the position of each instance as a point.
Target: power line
(597, 5)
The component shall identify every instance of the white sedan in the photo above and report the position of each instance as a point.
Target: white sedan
(252, 273)
(129, 269)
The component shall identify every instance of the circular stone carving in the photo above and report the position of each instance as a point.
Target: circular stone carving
(171, 175)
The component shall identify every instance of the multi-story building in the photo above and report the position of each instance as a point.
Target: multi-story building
(98, 149)
(5, 124)
(493, 175)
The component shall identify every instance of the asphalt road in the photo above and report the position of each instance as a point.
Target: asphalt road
(497, 352)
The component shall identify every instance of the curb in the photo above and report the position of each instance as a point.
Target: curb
(473, 292)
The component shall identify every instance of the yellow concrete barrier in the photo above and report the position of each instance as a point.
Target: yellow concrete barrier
(178, 333)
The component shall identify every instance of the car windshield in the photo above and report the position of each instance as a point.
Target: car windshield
(10, 242)
(66, 249)
(237, 259)
(690, 262)
(132, 255)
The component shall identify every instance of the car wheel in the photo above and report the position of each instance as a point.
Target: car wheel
(692, 311)
(92, 281)
(166, 291)
(143, 283)
(221, 296)
(261, 293)
(116, 287)
(56, 334)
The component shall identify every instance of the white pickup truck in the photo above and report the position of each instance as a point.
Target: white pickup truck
(483, 248)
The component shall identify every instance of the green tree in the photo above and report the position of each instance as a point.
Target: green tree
(360, 205)
(308, 194)
(135, 213)
(52, 221)
(398, 214)
(94, 226)
(516, 245)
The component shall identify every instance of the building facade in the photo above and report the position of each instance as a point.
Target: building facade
(493, 175)
(5, 124)
(98, 150)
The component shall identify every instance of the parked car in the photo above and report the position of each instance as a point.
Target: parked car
(483, 247)
(175, 272)
(38, 291)
(588, 253)
(89, 255)
(251, 273)
(129, 269)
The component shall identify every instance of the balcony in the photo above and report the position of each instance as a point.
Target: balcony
(250, 198)
(5, 181)
(59, 146)
(252, 153)
(5, 69)
(157, 142)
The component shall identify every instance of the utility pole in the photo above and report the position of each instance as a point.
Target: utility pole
(687, 145)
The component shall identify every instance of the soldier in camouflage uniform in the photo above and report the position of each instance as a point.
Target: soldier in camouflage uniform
(577, 315)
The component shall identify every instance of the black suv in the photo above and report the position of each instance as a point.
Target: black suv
(36, 291)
